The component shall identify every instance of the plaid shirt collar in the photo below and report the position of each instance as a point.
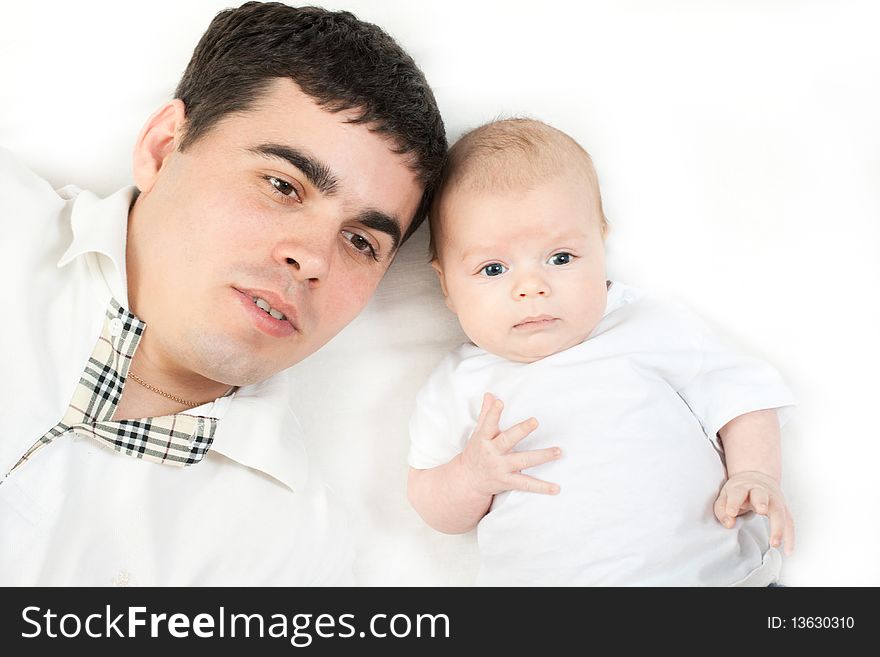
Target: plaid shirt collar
(181, 439)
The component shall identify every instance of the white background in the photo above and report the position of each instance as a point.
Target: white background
(738, 149)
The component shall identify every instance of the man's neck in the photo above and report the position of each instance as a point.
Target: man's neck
(157, 386)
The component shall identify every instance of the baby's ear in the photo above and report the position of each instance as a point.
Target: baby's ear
(437, 268)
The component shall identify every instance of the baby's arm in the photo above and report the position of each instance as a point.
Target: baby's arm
(754, 472)
(452, 498)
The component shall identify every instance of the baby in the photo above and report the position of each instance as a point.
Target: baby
(663, 444)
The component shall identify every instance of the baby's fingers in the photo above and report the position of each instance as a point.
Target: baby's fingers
(531, 485)
(760, 500)
(509, 438)
(488, 399)
(734, 498)
(490, 415)
(521, 460)
(721, 506)
(777, 523)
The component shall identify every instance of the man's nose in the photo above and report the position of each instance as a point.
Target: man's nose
(307, 257)
(531, 285)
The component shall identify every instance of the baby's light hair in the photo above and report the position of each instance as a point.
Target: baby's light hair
(510, 154)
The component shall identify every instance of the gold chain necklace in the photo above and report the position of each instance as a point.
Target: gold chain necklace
(162, 392)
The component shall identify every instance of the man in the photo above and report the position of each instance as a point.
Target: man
(145, 435)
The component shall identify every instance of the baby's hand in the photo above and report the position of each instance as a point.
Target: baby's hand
(488, 461)
(758, 492)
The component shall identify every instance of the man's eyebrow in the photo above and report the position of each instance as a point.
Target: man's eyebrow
(318, 173)
(380, 221)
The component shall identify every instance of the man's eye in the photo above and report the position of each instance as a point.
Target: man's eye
(494, 269)
(560, 259)
(283, 187)
(361, 243)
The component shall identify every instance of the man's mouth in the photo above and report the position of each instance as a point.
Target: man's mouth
(262, 304)
(270, 311)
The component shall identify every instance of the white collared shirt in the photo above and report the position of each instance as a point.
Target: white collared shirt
(636, 409)
(252, 512)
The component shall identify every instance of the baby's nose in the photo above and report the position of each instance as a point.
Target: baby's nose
(531, 286)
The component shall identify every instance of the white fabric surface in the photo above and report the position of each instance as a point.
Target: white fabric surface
(757, 186)
(251, 512)
(639, 473)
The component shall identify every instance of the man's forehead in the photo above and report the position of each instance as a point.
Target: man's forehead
(282, 112)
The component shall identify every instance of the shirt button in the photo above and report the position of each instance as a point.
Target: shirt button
(115, 327)
(628, 297)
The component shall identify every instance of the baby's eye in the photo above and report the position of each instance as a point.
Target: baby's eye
(493, 269)
(560, 259)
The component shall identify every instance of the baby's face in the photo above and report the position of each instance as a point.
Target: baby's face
(524, 270)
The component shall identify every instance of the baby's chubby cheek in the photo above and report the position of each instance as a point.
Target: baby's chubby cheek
(479, 329)
(497, 337)
(483, 327)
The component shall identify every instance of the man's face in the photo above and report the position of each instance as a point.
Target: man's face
(524, 270)
(286, 203)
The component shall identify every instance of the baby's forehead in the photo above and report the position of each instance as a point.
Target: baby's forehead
(512, 187)
(547, 211)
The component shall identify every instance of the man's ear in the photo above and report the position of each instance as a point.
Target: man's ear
(437, 268)
(156, 142)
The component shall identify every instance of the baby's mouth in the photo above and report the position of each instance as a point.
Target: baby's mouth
(537, 322)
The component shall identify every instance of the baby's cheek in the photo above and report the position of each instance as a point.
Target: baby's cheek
(482, 317)
(480, 330)
(472, 326)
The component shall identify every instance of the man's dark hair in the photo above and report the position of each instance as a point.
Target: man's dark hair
(339, 61)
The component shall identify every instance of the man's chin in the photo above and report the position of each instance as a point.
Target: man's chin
(241, 363)
(237, 369)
